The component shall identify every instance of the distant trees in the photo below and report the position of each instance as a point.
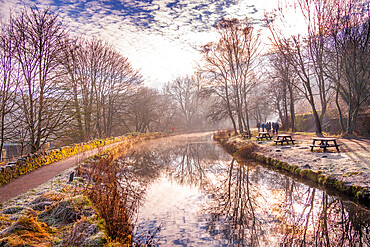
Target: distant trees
(349, 58)
(229, 67)
(141, 110)
(186, 92)
(282, 88)
(9, 74)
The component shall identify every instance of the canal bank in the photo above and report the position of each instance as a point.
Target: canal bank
(346, 172)
(61, 211)
(188, 191)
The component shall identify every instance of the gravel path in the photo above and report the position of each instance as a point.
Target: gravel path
(41, 175)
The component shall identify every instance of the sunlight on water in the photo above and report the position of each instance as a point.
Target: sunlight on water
(175, 208)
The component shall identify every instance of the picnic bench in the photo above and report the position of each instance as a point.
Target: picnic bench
(246, 135)
(262, 135)
(284, 138)
(324, 142)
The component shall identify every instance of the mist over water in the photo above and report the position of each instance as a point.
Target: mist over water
(198, 195)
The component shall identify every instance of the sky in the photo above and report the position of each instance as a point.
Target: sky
(161, 38)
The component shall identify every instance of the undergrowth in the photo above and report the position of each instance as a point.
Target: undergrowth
(114, 195)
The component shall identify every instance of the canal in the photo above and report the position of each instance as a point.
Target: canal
(189, 192)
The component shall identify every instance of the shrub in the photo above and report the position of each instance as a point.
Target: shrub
(247, 151)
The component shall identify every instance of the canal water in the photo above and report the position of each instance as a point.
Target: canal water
(192, 193)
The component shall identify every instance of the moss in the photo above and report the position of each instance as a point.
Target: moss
(12, 210)
(321, 179)
(358, 195)
(286, 166)
(311, 175)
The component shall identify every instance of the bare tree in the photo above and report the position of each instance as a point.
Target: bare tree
(71, 66)
(229, 65)
(283, 89)
(349, 58)
(306, 55)
(141, 109)
(9, 84)
(186, 92)
(36, 36)
(100, 80)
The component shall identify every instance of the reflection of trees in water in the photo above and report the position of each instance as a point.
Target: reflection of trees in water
(232, 210)
(341, 224)
(251, 206)
(309, 217)
(186, 164)
(288, 213)
(192, 163)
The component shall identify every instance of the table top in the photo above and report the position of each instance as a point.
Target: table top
(324, 138)
(283, 135)
(263, 133)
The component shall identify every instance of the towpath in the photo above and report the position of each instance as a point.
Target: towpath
(41, 175)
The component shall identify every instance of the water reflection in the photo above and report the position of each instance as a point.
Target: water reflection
(201, 196)
(253, 206)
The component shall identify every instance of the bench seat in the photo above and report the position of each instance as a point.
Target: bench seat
(325, 147)
(259, 137)
(247, 135)
(322, 146)
(282, 141)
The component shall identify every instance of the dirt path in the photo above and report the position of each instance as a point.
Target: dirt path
(41, 175)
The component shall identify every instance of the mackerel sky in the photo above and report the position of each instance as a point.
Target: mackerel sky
(161, 38)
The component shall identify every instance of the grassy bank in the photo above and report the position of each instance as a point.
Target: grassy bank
(95, 209)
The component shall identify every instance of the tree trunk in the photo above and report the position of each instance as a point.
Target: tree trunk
(292, 111)
(317, 122)
(229, 109)
(341, 120)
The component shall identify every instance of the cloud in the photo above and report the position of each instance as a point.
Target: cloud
(162, 38)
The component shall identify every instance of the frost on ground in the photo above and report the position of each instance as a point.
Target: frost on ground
(351, 165)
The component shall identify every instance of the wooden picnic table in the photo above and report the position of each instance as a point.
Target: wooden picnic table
(284, 138)
(246, 135)
(324, 143)
(262, 135)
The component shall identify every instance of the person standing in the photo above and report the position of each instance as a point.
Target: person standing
(258, 126)
(277, 128)
(263, 127)
(268, 127)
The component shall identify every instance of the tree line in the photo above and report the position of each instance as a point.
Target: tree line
(65, 89)
(59, 88)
